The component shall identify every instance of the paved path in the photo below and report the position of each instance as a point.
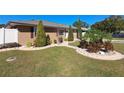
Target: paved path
(115, 56)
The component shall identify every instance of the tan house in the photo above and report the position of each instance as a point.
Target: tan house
(27, 30)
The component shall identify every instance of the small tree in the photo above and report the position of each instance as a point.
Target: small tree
(70, 34)
(40, 35)
(48, 42)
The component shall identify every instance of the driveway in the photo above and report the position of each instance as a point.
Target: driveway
(118, 41)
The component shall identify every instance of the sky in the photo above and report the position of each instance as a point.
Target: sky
(62, 19)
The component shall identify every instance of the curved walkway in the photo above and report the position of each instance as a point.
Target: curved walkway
(115, 56)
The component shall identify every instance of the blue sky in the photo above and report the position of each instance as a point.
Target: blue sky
(64, 19)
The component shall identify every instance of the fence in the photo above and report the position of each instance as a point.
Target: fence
(8, 36)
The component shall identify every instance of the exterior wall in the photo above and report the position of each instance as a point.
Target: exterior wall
(83, 33)
(25, 35)
(52, 32)
(50, 29)
(74, 33)
(53, 36)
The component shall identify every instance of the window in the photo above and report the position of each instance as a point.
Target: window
(61, 32)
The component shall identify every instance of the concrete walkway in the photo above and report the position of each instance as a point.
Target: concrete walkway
(115, 56)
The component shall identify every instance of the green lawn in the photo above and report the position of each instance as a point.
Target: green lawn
(76, 43)
(118, 39)
(58, 61)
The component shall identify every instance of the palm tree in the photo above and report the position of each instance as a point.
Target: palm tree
(80, 24)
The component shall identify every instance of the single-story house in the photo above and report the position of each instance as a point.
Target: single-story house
(27, 30)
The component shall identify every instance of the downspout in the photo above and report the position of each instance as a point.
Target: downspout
(57, 34)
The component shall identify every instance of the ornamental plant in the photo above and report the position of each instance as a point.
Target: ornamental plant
(95, 40)
(40, 36)
(70, 34)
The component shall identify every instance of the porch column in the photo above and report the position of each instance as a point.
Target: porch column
(65, 32)
(34, 30)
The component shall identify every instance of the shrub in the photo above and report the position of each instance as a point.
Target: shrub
(108, 37)
(65, 39)
(94, 47)
(83, 44)
(55, 41)
(70, 34)
(108, 46)
(60, 39)
(40, 36)
(28, 44)
(95, 41)
(48, 41)
(9, 45)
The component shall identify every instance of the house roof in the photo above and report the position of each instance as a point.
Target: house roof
(84, 29)
(45, 23)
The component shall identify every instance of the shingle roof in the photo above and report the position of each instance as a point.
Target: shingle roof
(45, 23)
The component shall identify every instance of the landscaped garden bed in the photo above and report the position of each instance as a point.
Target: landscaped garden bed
(97, 44)
(93, 42)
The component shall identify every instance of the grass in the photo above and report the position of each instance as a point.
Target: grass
(119, 47)
(76, 43)
(118, 39)
(58, 61)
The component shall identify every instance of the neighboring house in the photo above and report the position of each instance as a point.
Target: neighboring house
(84, 30)
(2, 25)
(27, 30)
